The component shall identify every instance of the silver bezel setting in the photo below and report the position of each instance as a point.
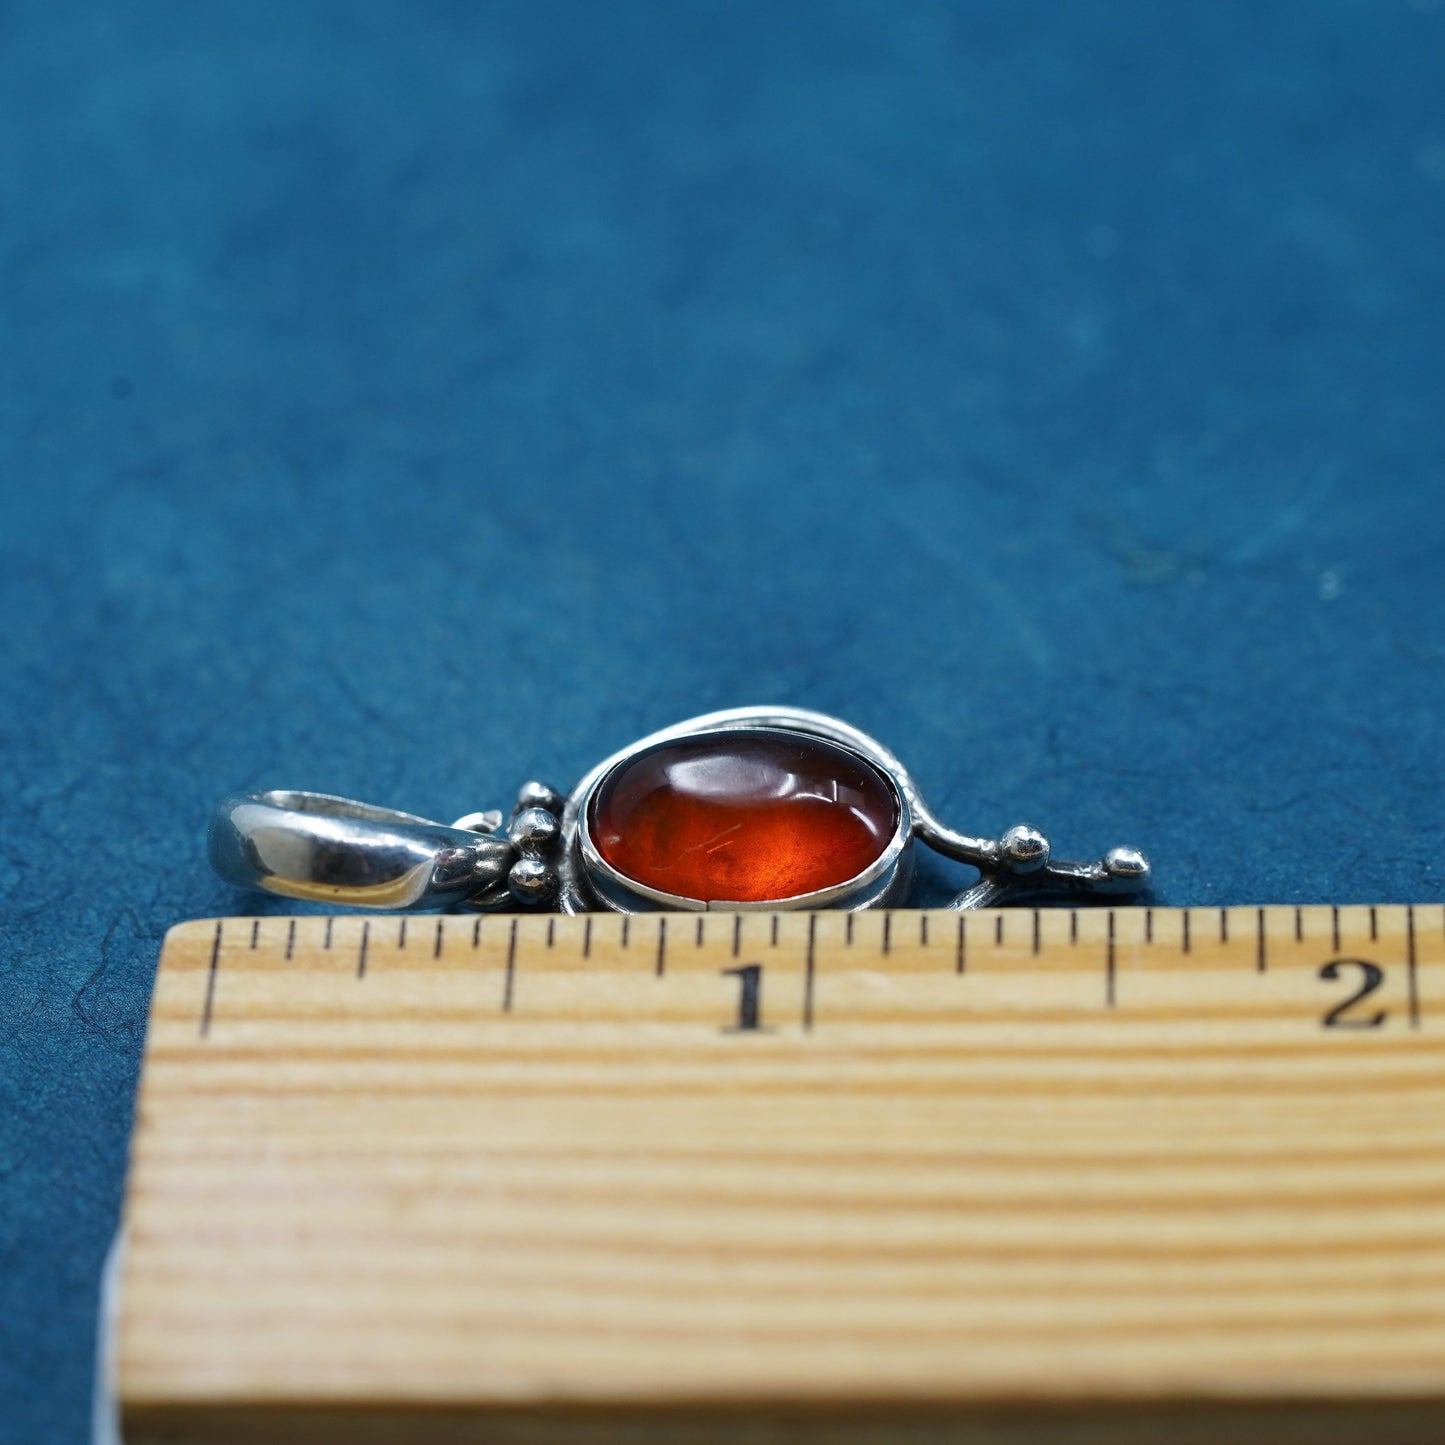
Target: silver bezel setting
(589, 881)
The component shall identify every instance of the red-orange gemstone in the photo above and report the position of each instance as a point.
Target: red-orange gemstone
(743, 817)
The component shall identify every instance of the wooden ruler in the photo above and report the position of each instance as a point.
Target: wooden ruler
(1121, 1175)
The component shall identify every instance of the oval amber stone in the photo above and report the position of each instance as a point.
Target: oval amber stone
(743, 816)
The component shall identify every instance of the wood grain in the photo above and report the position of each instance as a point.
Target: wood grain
(1000, 1176)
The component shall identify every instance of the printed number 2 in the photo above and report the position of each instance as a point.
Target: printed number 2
(750, 997)
(1372, 976)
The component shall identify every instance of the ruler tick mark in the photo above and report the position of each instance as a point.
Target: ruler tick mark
(1374, 925)
(848, 932)
(507, 982)
(209, 1005)
(361, 952)
(923, 930)
(1224, 925)
(1184, 931)
(1073, 925)
(1148, 925)
(626, 921)
(887, 934)
(477, 934)
(552, 930)
(1109, 965)
(699, 930)
(1411, 968)
(1260, 961)
(775, 930)
(1335, 928)
(401, 935)
(960, 950)
(255, 932)
(290, 939)
(737, 934)
(326, 942)
(998, 931)
(1037, 926)
(587, 937)
(436, 949)
(808, 974)
(661, 947)
(1299, 926)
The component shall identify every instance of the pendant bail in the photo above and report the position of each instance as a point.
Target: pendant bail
(325, 849)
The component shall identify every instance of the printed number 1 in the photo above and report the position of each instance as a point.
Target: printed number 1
(750, 980)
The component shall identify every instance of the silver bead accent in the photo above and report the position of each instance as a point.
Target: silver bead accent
(534, 831)
(1024, 849)
(1126, 865)
(539, 795)
(531, 881)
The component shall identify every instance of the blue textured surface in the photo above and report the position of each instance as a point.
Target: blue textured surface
(404, 399)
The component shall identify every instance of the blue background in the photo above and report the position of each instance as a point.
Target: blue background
(405, 399)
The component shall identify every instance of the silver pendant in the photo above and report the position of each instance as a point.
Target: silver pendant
(748, 809)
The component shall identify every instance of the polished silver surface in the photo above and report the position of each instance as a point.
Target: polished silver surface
(333, 850)
(313, 846)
